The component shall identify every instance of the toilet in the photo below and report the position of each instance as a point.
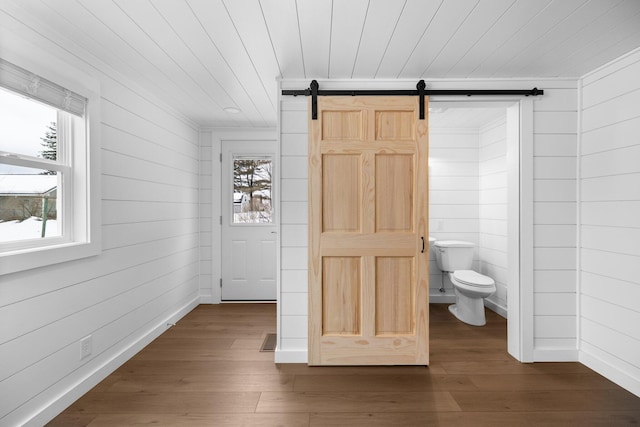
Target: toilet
(456, 257)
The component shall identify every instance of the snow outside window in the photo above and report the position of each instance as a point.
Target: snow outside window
(252, 177)
(44, 171)
(33, 167)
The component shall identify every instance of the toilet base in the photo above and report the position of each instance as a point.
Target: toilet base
(468, 310)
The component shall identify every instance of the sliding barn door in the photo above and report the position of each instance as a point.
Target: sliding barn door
(368, 232)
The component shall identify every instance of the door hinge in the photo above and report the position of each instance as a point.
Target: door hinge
(220, 157)
(220, 219)
(221, 282)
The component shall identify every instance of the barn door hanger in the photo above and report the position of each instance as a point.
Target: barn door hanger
(421, 91)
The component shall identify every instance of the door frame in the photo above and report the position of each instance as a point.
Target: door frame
(232, 150)
(520, 328)
(519, 124)
(211, 140)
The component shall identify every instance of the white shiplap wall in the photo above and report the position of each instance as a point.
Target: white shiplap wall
(209, 252)
(554, 190)
(493, 209)
(147, 274)
(609, 297)
(453, 198)
(292, 322)
(554, 217)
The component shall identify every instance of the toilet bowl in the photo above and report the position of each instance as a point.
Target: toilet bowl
(455, 258)
(470, 289)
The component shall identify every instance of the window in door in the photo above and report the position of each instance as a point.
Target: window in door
(252, 198)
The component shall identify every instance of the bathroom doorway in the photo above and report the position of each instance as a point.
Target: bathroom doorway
(475, 179)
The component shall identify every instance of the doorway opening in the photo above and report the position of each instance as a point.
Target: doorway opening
(475, 180)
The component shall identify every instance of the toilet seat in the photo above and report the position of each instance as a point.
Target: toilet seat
(474, 279)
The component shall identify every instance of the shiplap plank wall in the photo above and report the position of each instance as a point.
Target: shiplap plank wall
(492, 216)
(453, 198)
(294, 229)
(554, 216)
(208, 267)
(147, 272)
(610, 221)
(555, 130)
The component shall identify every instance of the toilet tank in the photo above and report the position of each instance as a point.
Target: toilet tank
(452, 255)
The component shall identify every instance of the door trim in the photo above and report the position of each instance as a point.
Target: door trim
(521, 337)
(520, 310)
(212, 139)
(232, 151)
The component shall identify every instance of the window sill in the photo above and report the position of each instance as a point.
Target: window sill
(27, 259)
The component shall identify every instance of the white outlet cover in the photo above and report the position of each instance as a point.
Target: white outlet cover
(85, 347)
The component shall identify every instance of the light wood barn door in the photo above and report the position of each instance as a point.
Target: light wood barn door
(368, 232)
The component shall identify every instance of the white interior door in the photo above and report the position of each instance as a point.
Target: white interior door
(248, 221)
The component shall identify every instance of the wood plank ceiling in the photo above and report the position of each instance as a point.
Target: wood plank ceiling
(201, 56)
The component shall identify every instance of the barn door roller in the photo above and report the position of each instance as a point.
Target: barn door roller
(421, 91)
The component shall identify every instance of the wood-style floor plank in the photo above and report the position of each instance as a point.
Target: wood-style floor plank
(168, 383)
(528, 382)
(336, 401)
(166, 403)
(476, 419)
(410, 383)
(510, 367)
(198, 420)
(551, 400)
(206, 354)
(208, 371)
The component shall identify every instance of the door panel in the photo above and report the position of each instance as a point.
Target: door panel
(368, 215)
(239, 260)
(342, 125)
(395, 278)
(395, 125)
(267, 259)
(341, 193)
(394, 192)
(248, 222)
(341, 289)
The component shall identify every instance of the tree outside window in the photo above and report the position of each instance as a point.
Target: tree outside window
(252, 191)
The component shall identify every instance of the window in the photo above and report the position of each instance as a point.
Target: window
(252, 190)
(32, 171)
(45, 171)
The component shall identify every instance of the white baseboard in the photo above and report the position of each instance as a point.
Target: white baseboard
(555, 355)
(63, 400)
(209, 299)
(291, 356)
(502, 311)
(438, 298)
(606, 369)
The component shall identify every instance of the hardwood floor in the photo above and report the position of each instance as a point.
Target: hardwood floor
(208, 371)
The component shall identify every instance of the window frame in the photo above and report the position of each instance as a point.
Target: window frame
(64, 164)
(81, 236)
(244, 156)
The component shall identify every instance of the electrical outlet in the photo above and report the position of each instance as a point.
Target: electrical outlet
(85, 347)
